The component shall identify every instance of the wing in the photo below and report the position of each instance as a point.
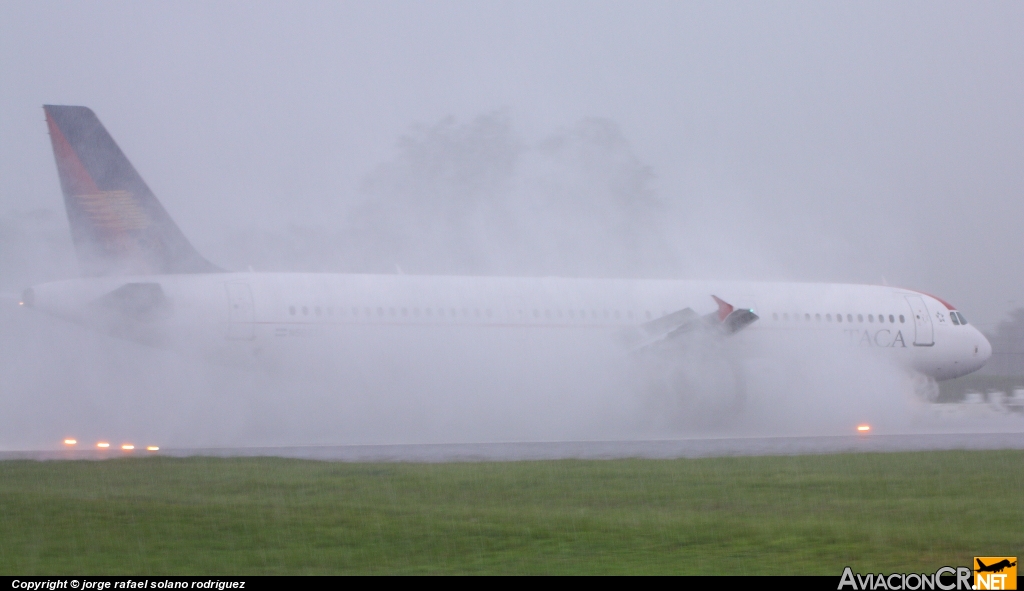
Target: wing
(725, 321)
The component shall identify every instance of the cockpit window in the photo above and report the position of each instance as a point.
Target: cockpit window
(952, 316)
(958, 318)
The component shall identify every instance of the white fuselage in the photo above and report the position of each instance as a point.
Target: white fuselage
(219, 312)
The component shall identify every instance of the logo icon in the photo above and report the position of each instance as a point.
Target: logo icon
(995, 572)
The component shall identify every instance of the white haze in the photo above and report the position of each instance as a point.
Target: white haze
(468, 198)
(856, 143)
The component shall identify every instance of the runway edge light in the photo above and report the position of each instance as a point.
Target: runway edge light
(863, 428)
(70, 441)
(103, 445)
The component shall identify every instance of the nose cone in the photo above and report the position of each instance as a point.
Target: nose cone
(983, 348)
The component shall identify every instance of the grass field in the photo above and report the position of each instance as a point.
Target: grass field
(785, 515)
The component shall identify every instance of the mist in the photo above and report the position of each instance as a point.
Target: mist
(847, 143)
(469, 198)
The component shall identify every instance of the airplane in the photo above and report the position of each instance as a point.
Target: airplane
(995, 567)
(142, 280)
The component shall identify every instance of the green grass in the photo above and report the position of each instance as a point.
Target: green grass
(787, 515)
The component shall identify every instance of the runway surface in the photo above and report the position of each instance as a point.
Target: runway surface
(555, 450)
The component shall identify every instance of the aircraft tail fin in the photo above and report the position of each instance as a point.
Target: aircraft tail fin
(117, 225)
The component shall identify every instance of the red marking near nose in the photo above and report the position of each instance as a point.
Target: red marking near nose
(948, 305)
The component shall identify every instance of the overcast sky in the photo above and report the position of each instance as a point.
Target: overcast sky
(855, 142)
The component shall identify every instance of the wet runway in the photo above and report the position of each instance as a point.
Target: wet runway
(555, 450)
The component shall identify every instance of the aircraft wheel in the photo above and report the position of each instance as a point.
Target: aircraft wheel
(926, 388)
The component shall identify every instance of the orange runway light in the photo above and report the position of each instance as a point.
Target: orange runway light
(70, 441)
(127, 447)
(863, 428)
(152, 448)
(103, 445)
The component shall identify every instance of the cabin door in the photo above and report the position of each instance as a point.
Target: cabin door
(924, 332)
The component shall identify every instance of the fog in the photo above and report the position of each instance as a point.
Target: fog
(859, 142)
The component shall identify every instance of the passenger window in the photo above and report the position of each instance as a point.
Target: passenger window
(616, 314)
(817, 317)
(860, 318)
(892, 320)
(415, 311)
(536, 313)
(871, 317)
(305, 311)
(465, 312)
(629, 314)
(901, 319)
(453, 314)
(849, 317)
(807, 317)
(828, 318)
(785, 316)
(839, 317)
(775, 316)
(291, 310)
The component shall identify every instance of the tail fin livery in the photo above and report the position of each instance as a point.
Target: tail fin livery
(117, 224)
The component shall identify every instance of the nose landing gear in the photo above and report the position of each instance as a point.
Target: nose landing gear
(926, 388)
